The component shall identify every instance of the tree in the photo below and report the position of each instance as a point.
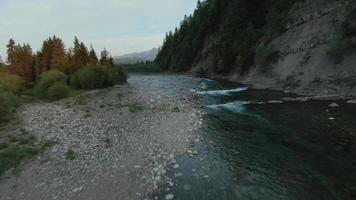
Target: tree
(52, 56)
(80, 55)
(22, 63)
(104, 60)
(59, 59)
(93, 59)
(10, 50)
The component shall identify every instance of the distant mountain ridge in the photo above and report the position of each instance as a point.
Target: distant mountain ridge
(132, 58)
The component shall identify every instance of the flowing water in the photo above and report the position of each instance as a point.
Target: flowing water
(270, 151)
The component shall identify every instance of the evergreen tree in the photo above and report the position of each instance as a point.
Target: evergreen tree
(22, 63)
(10, 50)
(59, 59)
(104, 60)
(93, 59)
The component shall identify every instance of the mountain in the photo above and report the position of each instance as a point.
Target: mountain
(303, 46)
(131, 58)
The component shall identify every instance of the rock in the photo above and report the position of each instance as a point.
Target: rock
(275, 102)
(176, 166)
(75, 190)
(297, 99)
(331, 118)
(334, 105)
(352, 101)
(169, 196)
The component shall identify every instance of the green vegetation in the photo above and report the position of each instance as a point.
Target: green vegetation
(96, 77)
(8, 103)
(58, 91)
(228, 33)
(70, 154)
(135, 107)
(10, 82)
(52, 86)
(52, 73)
(16, 147)
(146, 67)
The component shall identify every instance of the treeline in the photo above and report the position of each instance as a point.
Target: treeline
(53, 56)
(53, 72)
(228, 32)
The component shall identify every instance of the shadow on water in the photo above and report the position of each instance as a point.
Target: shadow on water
(280, 151)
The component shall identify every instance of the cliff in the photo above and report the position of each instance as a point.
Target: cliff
(302, 46)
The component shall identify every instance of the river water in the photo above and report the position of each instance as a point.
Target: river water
(270, 151)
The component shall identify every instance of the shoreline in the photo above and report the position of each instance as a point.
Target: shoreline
(120, 152)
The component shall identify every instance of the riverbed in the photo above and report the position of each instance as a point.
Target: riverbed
(289, 150)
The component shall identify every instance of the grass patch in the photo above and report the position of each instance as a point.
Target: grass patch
(136, 107)
(11, 155)
(70, 154)
(48, 144)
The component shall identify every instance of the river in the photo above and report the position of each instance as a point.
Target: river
(268, 151)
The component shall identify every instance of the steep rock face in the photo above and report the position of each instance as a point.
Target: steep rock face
(314, 55)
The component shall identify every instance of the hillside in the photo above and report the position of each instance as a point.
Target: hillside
(295, 45)
(132, 58)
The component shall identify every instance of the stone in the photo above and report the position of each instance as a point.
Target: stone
(275, 102)
(351, 101)
(334, 105)
(169, 196)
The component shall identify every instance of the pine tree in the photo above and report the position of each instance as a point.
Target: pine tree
(10, 50)
(93, 59)
(80, 56)
(22, 63)
(59, 59)
(104, 60)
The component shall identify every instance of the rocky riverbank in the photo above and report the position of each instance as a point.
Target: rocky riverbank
(110, 144)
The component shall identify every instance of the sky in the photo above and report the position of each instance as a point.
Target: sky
(121, 26)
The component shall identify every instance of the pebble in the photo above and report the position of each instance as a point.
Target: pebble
(66, 124)
(351, 101)
(169, 196)
(275, 102)
(77, 189)
(334, 105)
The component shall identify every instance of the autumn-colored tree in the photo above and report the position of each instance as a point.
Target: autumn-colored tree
(22, 62)
(44, 57)
(52, 56)
(60, 60)
(80, 55)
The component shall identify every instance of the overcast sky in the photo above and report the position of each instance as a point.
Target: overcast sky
(121, 26)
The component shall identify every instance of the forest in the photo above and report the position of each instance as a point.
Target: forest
(53, 72)
(232, 29)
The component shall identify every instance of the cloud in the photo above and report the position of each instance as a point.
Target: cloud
(120, 25)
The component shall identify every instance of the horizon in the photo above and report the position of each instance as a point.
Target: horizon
(141, 26)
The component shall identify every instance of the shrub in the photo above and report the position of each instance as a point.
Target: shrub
(47, 80)
(135, 107)
(96, 77)
(58, 91)
(11, 82)
(70, 154)
(8, 102)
